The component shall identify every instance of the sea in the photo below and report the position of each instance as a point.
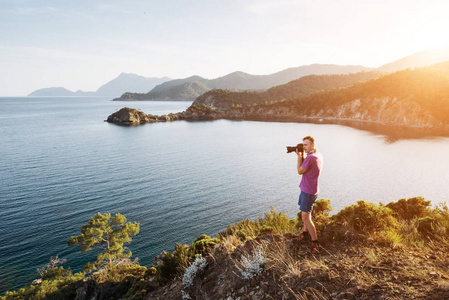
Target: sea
(61, 163)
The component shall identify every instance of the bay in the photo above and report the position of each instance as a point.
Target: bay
(61, 164)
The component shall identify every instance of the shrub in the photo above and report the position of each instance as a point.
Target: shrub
(51, 271)
(320, 214)
(175, 263)
(54, 273)
(124, 272)
(322, 207)
(56, 288)
(244, 230)
(441, 213)
(204, 244)
(363, 217)
(150, 272)
(427, 225)
(408, 209)
(271, 223)
(277, 222)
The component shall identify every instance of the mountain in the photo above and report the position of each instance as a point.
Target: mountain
(122, 84)
(420, 59)
(417, 98)
(237, 81)
(185, 91)
(223, 99)
(243, 81)
(140, 88)
(129, 83)
(57, 92)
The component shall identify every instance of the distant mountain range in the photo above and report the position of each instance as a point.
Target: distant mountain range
(122, 84)
(192, 87)
(135, 87)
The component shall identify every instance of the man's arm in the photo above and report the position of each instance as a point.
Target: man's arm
(300, 169)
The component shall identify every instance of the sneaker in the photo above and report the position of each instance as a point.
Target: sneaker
(314, 249)
(303, 236)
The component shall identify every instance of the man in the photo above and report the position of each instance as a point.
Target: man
(309, 168)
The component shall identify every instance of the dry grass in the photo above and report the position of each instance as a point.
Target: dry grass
(230, 242)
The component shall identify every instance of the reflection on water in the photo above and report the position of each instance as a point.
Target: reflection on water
(391, 133)
(395, 133)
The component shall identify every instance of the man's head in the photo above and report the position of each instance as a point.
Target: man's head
(309, 143)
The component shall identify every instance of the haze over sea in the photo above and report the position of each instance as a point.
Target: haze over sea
(61, 164)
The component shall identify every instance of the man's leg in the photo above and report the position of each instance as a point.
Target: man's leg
(309, 226)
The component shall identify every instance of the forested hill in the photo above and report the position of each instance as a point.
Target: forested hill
(224, 99)
(418, 97)
(422, 93)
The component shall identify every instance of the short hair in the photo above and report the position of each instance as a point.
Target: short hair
(310, 138)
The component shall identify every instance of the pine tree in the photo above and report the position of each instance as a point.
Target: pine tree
(106, 234)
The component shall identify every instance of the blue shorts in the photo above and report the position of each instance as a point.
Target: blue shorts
(306, 202)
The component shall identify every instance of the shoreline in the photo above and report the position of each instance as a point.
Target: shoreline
(132, 117)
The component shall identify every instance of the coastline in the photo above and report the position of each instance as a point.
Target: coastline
(132, 117)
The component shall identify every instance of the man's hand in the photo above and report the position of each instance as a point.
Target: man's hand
(300, 160)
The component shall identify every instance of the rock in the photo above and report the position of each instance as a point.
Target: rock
(253, 282)
(37, 281)
(433, 274)
(88, 291)
(128, 116)
(131, 116)
(346, 295)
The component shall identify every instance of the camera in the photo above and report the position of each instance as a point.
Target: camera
(293, 148)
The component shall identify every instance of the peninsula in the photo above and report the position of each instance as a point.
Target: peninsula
(413, 98)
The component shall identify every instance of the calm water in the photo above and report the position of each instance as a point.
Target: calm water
(61, 164)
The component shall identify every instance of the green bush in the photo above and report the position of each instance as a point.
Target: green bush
(278, 222)
(322, 207)
(427, 225)
(271, 223)
(363, 217)
(436, 223)
(150, 272)
(408, 209)
(58, 288)
(204, 244)
(56, 272)
(175, 263)
(123, 273)
(320, 215)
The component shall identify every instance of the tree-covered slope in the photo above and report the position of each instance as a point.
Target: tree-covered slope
(424, 89)
(223, 99)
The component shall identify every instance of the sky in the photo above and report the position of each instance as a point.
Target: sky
(81, 45)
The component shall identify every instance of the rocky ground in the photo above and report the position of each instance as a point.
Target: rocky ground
(340, 271)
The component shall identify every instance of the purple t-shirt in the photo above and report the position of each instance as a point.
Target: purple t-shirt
(309, 182)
